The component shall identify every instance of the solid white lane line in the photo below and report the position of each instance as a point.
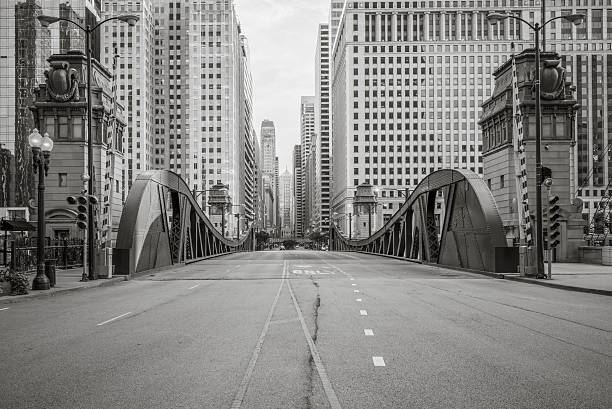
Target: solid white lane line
(113, 319)
(378, 361)
(355, 291)
(195, 286)
(368, 332)
(358, 300)
(237, 402)
(5, 308)
(327, 386)
(363, 312)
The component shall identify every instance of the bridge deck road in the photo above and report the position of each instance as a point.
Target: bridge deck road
(306, 329)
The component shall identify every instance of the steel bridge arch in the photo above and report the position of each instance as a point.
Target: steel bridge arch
(162, 225)
(466, 236)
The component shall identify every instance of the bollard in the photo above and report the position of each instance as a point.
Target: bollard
(50, 271)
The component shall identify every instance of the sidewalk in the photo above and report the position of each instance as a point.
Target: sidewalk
(66, 280)
(590, 278)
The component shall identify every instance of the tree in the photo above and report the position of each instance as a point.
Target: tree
(261, 238)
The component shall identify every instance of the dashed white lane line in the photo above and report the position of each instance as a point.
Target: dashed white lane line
(363, 312)
(195, 286)
(352, 279)
(5, 308)
(368, 332)
(113, 319)
(355, 291)
(353, 284)
(378, 361)
(358, 300)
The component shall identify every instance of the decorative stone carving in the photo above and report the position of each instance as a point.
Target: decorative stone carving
(552, 80)
(62, 82)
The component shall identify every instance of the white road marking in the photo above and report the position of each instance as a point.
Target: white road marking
(378, 361)
(358, 300)
(352, 279)
(368, 332)
(5, 308)
(363, 312)
(237, 402)
(353, 284)
(355, 291)
(327, 386)
(113, 319)
(195, 286)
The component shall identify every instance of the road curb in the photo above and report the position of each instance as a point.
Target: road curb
(101, 282)
(547, 283)
(502, 276)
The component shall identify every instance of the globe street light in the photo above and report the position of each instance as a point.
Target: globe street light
(45, 21)
(575, 19)
(41, 152)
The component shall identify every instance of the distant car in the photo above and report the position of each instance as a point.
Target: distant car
(282, 247)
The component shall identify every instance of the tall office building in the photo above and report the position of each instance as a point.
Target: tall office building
(307, 137)
(286, 203)
(134, 49)
(586, 52)
(322, 125)
(335, 14)
(188, 89)
(408, 81)
(298, 191)
(24, 49)
(269, 169)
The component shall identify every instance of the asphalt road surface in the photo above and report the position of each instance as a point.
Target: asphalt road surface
(306, 329)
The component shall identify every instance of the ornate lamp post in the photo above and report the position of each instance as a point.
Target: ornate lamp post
(45, 21)
(575, 19)
(41, 152)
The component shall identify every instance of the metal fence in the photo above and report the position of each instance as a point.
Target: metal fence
(67, 253)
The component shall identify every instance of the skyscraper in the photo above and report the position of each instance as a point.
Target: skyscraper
(269, 168)
(24, 49)
(134, 49)
(298, 191)
(322, 124)
(407, 86)
(307, 137)
(286, 203)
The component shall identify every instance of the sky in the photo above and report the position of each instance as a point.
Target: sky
(282, 37)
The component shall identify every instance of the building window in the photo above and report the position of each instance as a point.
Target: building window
(62, 179)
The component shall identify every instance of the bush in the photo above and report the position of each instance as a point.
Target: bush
(20, 281)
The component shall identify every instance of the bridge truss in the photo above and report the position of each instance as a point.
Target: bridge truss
(163, 225)
(464, 232)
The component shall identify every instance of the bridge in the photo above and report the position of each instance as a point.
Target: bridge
(162, 225)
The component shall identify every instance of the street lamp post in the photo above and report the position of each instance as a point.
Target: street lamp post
(45, 21)
(41, 152)
(575, 19)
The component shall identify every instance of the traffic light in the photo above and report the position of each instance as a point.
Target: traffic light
(82, 201)
(553, 224)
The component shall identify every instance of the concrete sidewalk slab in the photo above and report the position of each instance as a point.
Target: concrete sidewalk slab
(66, 280)
(589, 278)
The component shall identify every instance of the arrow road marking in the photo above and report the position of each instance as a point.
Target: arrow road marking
(368, 332)
(363, 312)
